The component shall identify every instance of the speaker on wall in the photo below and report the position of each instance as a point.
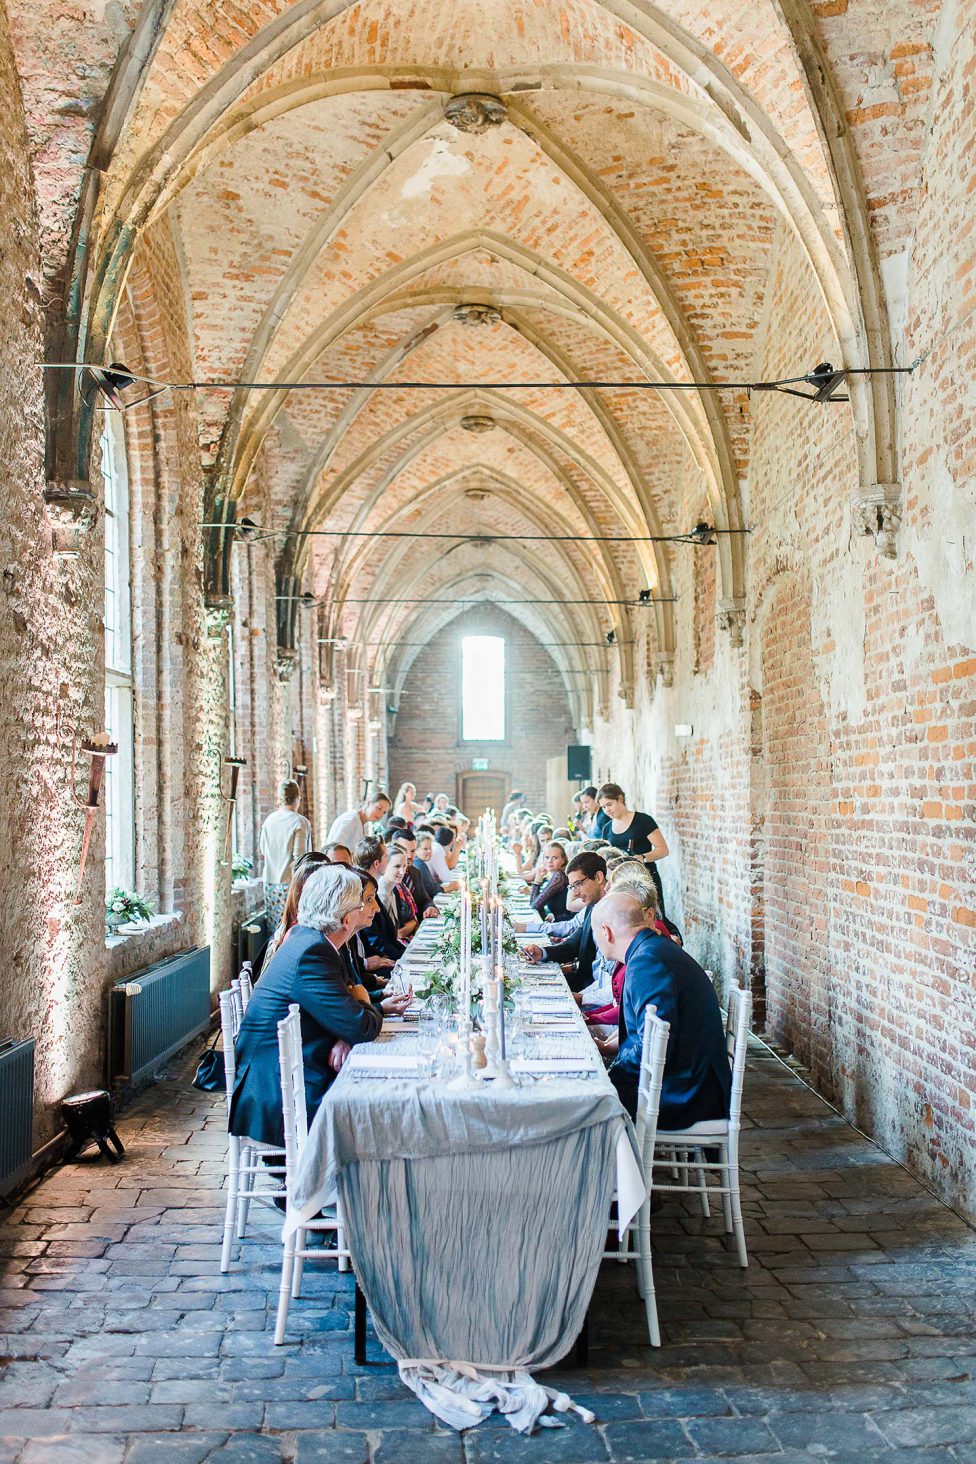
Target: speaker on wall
(578, 762)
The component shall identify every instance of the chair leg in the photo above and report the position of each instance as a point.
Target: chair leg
(233, 1179)
(248, 1160)
(702, 1184)
(284, 1290)
(645, 1271)
(730, 1157)
(623, 1246)
(343, 1261)
(296, 1284)
(359, 1328)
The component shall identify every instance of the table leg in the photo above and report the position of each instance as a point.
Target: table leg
(359, 1328)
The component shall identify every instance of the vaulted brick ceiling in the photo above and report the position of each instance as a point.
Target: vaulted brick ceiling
(329, 220)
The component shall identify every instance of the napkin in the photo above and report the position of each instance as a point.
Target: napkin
(376, 1059)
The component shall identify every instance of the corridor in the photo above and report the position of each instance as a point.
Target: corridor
(852, 1335)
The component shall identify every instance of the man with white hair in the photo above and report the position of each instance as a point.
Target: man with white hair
(697, 1081)
(309, 970)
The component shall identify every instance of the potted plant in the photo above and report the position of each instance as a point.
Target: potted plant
(124, 907)
(241, 867)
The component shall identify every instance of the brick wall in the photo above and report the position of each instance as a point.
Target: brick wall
(426, 748)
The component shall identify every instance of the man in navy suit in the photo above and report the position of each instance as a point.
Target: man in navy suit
(587, 876)
(307, 969)
(697, 1080)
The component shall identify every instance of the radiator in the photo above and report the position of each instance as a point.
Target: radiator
(17, 1110)
(155, 1012)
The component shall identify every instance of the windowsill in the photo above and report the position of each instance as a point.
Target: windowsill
(157, 923)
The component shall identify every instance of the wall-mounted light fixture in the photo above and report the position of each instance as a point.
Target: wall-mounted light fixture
(235, 764)
(683, 729)
(98, 749)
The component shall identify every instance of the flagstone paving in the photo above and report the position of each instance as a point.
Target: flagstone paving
(851, 1336)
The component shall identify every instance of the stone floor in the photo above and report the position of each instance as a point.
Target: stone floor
(850, 1336)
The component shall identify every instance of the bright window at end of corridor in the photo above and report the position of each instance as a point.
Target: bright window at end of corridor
(483, 688)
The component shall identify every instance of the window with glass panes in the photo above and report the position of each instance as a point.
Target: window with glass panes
(119, 779)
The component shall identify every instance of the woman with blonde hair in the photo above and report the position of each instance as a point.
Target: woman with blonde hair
(404, 804)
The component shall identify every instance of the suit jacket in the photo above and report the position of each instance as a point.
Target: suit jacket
(306, 969)
(380, 938)
(579, 947)
(413, 878)
(697, 1081)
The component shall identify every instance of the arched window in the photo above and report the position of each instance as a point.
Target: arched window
(119, 772)
(483, 688)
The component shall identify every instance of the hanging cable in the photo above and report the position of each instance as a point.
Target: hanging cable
(702, 534)
(644, 598)
(824, 381)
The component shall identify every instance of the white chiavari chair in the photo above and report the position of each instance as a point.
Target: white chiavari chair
(246, 982)
(689, 1145)
(295, 1251)
(247, 1161)
(653, 1053)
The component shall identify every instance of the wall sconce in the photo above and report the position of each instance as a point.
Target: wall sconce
(235, 764)
(98, 748)
(684, 729)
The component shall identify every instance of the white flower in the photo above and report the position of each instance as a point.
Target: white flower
(118, 907)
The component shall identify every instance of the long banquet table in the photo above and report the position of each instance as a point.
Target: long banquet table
(476, 1217)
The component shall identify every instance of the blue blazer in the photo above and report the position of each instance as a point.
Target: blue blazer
(697, 1080)
(380, 938)
(306, 969)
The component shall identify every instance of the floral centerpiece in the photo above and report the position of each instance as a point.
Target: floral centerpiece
(241, 867)
(123, 907)
(445, 954)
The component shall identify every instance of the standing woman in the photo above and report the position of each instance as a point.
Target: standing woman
(526, 853)
(285, 837)
(635, 833)
(405, 805)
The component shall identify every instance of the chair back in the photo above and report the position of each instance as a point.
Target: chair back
(235, 996)
(653, 1053)
(246, 983)
(229, 1027)
(293, 1108)
(743, 1022)
(731, 1015)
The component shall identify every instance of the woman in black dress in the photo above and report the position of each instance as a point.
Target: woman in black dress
(635, 833)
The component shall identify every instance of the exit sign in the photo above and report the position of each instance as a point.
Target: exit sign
(479, 765)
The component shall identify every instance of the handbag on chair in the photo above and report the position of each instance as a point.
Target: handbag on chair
(209, 1076)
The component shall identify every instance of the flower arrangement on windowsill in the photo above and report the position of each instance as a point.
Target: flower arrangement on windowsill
(124, 907)
(241, 867)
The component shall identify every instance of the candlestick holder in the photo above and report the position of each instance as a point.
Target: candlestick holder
(496, 1067)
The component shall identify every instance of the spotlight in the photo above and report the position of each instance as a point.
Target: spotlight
(611, 637)
(308, 600)
(111, 381)
(702, 533)
(825, 380)
(644, 597)
(247, 529)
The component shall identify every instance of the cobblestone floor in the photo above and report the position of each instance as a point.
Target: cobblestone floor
(851, 1335)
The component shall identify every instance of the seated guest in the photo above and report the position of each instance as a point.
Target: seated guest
(351, 827)
(413, 881)
(380, 938)
(364, 970)
(630, 877)
(587, 880)
(338, 854)
(527, 852)
(443, 857)
(308, 970)
(697, 1080)
(395, 898)
(303, 871)
(422, 864)
(550, 897)
(635, 833)
(441, 803)
(634, 877)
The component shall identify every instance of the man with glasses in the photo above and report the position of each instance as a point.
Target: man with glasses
(587, 876)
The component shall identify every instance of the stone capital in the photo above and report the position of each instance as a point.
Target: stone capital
(72, 511)
(285, 663)
(731, 617)
(876, 510)
(664, 667)
(475, 112)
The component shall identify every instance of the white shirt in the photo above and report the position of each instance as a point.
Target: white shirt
(438, 863)
(285, 837)
(347, 828)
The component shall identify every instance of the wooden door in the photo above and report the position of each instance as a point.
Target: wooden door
(478, 791)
